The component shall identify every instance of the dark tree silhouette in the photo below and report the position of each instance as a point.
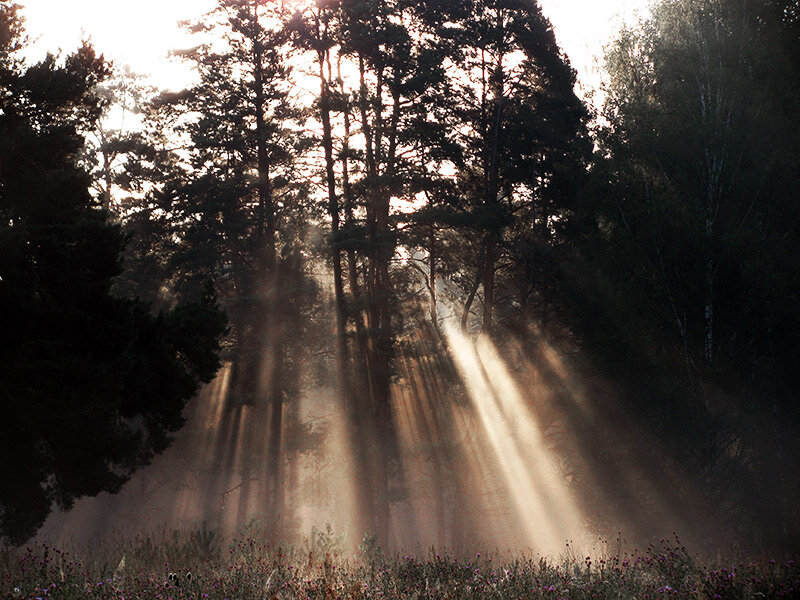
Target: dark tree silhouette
(91, 385)
(686, 287)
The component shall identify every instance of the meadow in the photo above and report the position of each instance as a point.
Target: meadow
(198, 564)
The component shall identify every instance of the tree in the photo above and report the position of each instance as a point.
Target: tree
(398, 87)
(242, 200)
(380, 78)
(523, 134)
(92, 385)
(242, 211)
(696, 216)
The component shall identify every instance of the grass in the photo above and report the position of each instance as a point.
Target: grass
(178, 565)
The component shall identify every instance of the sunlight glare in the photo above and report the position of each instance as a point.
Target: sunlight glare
(141, 34)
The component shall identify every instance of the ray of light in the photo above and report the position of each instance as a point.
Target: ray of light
(421, 462)
(323, 488)
(209, 415)
(339, 447)
(616, 460)
(543, 505)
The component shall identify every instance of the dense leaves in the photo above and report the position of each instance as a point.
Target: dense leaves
(690, 277)
(90, 385)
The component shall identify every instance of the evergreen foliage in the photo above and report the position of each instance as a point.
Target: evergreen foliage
(91, 384)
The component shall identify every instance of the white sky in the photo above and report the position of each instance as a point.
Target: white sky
(141, 32)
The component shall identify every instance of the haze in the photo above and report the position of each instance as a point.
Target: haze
(369, 275)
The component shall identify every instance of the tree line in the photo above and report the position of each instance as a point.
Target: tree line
(433, 161)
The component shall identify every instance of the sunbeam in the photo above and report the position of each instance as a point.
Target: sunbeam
(532, 478)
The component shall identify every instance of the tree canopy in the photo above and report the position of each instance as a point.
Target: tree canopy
(691, 276)
(91, 384)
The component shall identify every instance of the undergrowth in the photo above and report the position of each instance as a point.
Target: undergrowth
(199, 565)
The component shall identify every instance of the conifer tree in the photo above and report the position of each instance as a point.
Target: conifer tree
(524, 139)
(91, 385)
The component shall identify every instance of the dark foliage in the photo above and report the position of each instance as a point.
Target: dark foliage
(685, 286)
(90, 385)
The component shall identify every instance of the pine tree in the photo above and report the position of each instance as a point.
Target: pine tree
(92, 385)
(243, 210)
(523, 131)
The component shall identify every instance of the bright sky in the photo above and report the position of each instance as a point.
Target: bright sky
(141, 32)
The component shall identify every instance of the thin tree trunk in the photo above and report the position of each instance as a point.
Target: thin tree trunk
(265, 200)
(492, 200)
(333, 211)
(361, 353)
(274, 458)
(107, 174)
(378, 292)
(488, 281)
(269, 334)
(708, 313)
(432, 274)
(473, 290)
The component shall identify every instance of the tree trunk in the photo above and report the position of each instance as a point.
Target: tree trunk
(333, 212)
(275, 477)
(269, 334)
(473, 290)
(493, 188)
(488, 282)
(432, 274)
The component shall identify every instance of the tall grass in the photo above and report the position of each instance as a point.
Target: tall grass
(198, 564)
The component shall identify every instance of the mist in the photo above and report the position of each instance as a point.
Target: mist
(380, 283)
(495, 444)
